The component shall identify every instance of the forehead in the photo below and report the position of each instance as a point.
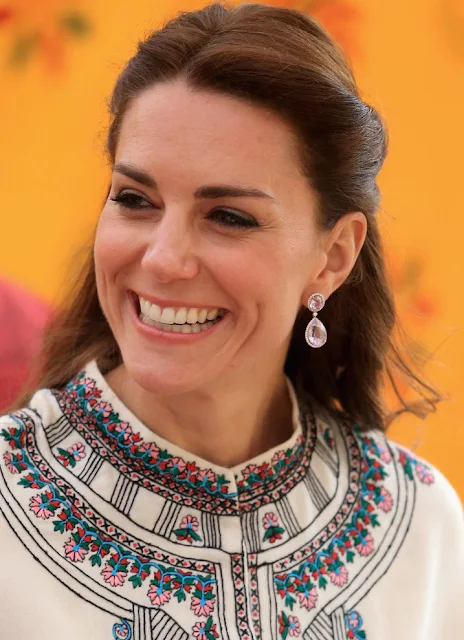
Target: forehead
(202, 131)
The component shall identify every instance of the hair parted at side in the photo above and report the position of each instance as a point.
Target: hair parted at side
(283, 60)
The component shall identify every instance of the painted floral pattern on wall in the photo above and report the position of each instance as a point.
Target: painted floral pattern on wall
(42, 29)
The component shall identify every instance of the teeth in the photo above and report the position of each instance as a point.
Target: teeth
(181, 316)
(178, 328)
(202, 315)
(152, 311)
(192, 316)
(168, 315)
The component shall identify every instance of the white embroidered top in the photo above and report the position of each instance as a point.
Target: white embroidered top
(109, 532)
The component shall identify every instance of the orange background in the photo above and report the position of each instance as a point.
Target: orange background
(409, 64)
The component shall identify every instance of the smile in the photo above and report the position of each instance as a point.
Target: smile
(178, 319)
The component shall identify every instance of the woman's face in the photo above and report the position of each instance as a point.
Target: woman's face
(208, 215)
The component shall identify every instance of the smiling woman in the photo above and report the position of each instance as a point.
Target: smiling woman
(198, 469)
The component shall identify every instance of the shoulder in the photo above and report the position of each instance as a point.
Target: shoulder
(42, 411)
(437, 504)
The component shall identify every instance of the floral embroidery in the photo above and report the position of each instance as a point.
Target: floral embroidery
(188, 530)
(411, 464)
(205, 630)
(72, 454)
(85, 408)
(273, 530)
(354, 622)
(86, 542)
(122, 630)
(121, 438)
(289, 626)
(330, 563)
(255, 475)
(14, 462)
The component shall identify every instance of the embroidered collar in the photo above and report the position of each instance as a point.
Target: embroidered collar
(117, 435)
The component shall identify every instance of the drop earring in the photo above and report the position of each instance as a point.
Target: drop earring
(316, 333)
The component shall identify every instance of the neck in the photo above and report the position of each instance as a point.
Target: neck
(226, 426)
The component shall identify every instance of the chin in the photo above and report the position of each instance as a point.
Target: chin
(163, 380)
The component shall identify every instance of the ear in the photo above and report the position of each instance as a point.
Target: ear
(341, 247)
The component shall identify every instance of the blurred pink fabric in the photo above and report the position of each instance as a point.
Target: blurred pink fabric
(23, 317)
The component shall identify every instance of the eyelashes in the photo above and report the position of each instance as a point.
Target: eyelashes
(130, 200)
(222, 216)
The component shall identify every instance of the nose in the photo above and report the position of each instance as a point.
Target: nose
(169, 255)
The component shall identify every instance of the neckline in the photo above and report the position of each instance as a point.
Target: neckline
(116, 434)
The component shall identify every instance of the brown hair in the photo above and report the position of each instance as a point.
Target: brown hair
(283, 60)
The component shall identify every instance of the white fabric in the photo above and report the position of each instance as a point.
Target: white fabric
(108, 531)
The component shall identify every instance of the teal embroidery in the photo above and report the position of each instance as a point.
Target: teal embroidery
(119, 435)
(412, 465)
(254, 475)
(354, 622)
(87, 543)
(122, 630)
(355, 538)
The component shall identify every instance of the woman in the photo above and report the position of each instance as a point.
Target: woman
(206, 457)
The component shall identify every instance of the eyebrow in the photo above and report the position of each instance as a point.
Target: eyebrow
(207, 191)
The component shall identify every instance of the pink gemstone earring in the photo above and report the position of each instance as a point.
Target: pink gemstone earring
(316, 333)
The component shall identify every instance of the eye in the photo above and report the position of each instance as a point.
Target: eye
(233, 219)
(131, 200)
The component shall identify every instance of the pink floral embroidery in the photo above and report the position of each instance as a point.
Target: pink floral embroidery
(188, 529)
(278, 457)
(201, 606)
(90, 390)
(385, 500)
(189, 522)
(424, 474)
(150, 448)
(308, 600)
(273, 530)
(339, 577)
(294, 626)
(249, 471)
(384, 454)
(157, 596)
(68, 457)
(177, 464)
(39, 506)
(205, 630)
(113, 577)
(9, 461)
(206, 475)
(412, 464)
(74, 551)
(366, 546)
(270, 520)
(104, 409)
(77, 451)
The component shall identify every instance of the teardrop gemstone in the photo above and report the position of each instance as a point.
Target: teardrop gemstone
(316, 333)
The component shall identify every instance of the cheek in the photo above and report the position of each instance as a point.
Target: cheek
(114, 248)
(262, 281)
